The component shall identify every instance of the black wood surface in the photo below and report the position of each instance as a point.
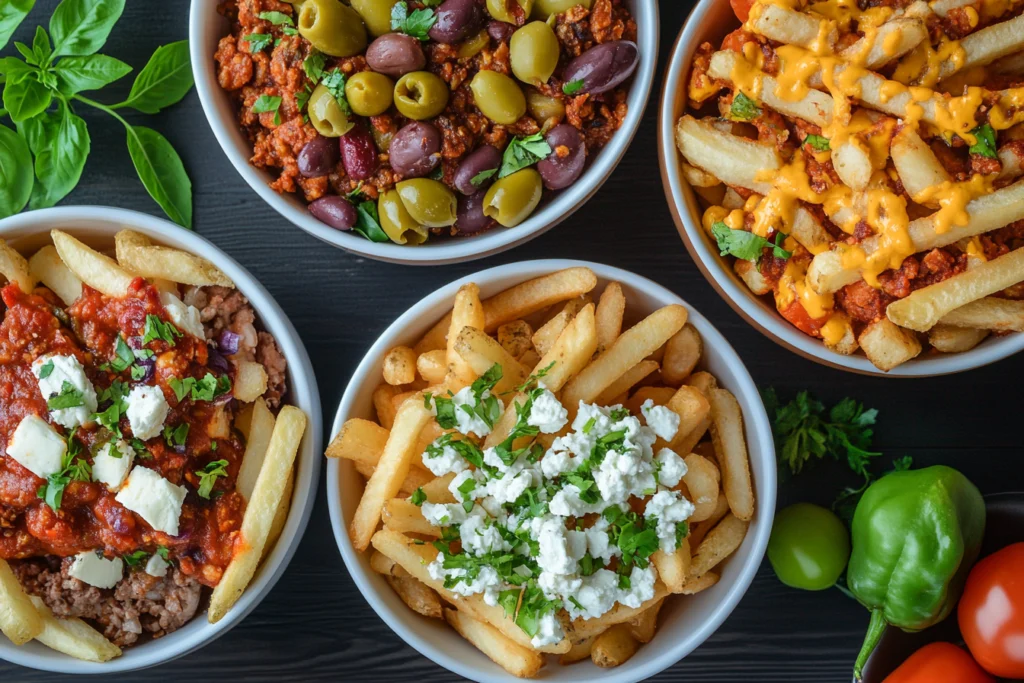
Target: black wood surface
(315, 625)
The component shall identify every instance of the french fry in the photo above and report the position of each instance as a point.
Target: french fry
(990, 313)
(512, 657)
(887, 345)
(19, 620)
(15, 268)
(545, 336)
(250, 381)
(384, 405)
(673, 567)
(890, 41)
(586, 628)
(579, 651)
(137, 253)
(698, 530)
(481, 352)
(700, 583)
(917, 165)
(614, 647)
(721, 542)
(467, 312)
(682, 353)
(626, 381)
(359, 439)
(694, 412)
(735, 160)
(611, 307)
(417, 478)
(702, 478)
(950, 339)
(432, 366)
(260, 512)
(752, 277)
(660, 395)
(381, 563)
(98, 271)
(731, 450)
(402, 516)
(704, 382)
(814, 106)
(261, 427)
(73, 637)
(786, 25)
(644, 625)
(696, 178)
(400, 366)
(46, 267)
(437, 489)
(281, 516)
(985, 46)
(516, 338)
(418, 597)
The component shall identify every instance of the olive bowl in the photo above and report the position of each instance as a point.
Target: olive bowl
(684, 622)
(710, 21)
(96, 226)
(207, 26)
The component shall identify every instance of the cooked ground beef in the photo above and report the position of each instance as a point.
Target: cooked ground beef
(223, 308)
(140, 604)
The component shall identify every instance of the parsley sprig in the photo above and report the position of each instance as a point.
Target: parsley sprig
(744, 108)
(984, 142)
(205, 389)
(746, 245)
(416, 23)
(110, 417)
(523, 152)
(73, 468)
(208, 476)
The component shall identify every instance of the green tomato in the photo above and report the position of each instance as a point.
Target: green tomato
(809, 547)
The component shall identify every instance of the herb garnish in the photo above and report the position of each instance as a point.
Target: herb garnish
(818, 142)
(418, 497)
(523, 152)
(69, 397)
(176, 436)
(280, 19)
(73, 468)
(368, 222)
(205, 389)
(46, 369)
(743, 108)
(258, 42)
(111, 416)
(746, 245)
(482, 177)
(984, 142)
(158, 329)
(416, 23)
(268, 103)
(313, 65)
(208, 476)
(334, 81)
(572, 87)
(135, 559)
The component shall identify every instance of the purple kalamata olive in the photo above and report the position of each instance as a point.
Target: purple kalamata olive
(455, 20)
(603, 66)
(470, 218)
(335, 211)
(500, 31)
(395, 54)
(358, 153)
(415, 150)
(564, 165)
(483, 158)
(318, 157)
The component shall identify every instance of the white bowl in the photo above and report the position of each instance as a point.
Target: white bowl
(685, 622)
(207, 27)
(97, 225)
(710, 21)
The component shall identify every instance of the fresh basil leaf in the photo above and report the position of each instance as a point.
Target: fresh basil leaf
(743, 108)
(60, 160)
(39, 130)
(165, 80)
(818, 142)
(162, 173)
(15, 172)
(984, 142)
(78, 74)
(12, 13)
(14, 68)
(27, 53)
(41, 47)
(25, 97)
(258, 42)
(523, 152)
(368, 224)
(81, 27)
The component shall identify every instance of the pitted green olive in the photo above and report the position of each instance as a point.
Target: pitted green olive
(512, 199)
(474, 44)
(332, 28)
(498, 97)
(326, 114)
(376, 14)
(542, 9)
(533, 52)
(369, 93)
(397, 222)
(547, 111)
(499, 9)
(421, 95)
(428, 202)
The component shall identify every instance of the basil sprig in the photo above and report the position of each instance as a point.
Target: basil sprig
(41, 88)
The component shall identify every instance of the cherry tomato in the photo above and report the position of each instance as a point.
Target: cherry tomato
(741, 8)
(939, 662)
(991, 612)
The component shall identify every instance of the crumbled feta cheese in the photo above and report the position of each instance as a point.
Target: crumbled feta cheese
(567, 503)
(111, 463)
(560, 549)
(94, 570)
(641, 587)
(157, 566)
(460, 480)
(153, 498)
(485, 579)
(547, 414)
(557, 585)
(549, 631)
(599, 543)
(37, 447)
(556, 463)
(672, 467)
(467, 421)
(60, 370)
(183, 316)
(147, 410)
(664, 421)
(444, 461)
(441, 514)
(596, 596)
(670, 508)
(480, 535)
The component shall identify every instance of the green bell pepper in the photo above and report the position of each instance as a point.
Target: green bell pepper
(915, 536)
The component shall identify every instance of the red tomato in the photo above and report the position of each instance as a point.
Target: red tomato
(741, 8)
(798, 316)
(939, 662)
(991, 612)
(737, 39)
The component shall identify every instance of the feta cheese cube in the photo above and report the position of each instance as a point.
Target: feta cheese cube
(664, 421)
(185, 318)
(443, 461)
(549, 631)
(153, 498)
(157, 566)
(111, 463)
(673, 468)
(58, 370)
(94, 570)
(37, 447)
(547, 414)
(147, 410)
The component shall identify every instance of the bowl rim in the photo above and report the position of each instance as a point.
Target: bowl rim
(681, 204)
(305, 394)
(565, 203)
(755, 420)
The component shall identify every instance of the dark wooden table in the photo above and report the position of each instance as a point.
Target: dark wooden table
(315, 625)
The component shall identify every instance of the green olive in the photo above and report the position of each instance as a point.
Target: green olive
(547, 111)
(472, 46)
(369, 93)
(498, 97)
(428, 202)
(542, 9)
(499, 9)
(376, 14)
(332, 28)
(512, 199)
(533, 52)
(397, 222)
(421, 95)
(326, 115)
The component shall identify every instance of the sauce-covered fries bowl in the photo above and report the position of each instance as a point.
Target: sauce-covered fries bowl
(810, 297)
(575, 308)
(267, 464)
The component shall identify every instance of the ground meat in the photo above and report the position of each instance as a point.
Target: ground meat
(862, 302)
(897, 283)
(270, 357)
(957, 23)
(139, 604)
(985, 165)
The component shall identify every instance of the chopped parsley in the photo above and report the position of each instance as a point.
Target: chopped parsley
(46, 370)
(158, 329)
(281, 19)
(418, 497)
(334, 81)
(416, 23)
(482, 177)
(73, 468)
(176, 436)
(746, 245)
(268, 103)
(135, 559)
(208, 476)
(163, 552)
(523, 152)
(111, 416)
(984, 142)
(572, 87)
(205, 389)
(818, 142)
(69, 397)
(313, 65)
(743, 108)
(258, 42)
(140, 449)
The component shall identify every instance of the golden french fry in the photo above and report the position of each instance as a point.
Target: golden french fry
(626, 381)
(660, 395)
(698, 530)
(416, 478)
(137, 253)
(949, 339)
(281, 516)
(250, 381)
(418, 597)
(260, 512)
(400, 366)
(98, 271)
(467, 312)
(261, 427)
(46, 267)
(437, 491)
(702, 381)
(673, 567)
(693, 410)
(73, 637)
(19, 620)
(545, 336)
(481, 352)
(731, 451)
(383, 404)
(432, 366)
(15, 268)
(888, 345)
(682, 353)
(512, 657)
(611, 307)
(579, 651)
(516, 338)
(644, 625)
(586, 628)
(614, 647)
(990, 313)
(381, 563)
(402, 516)
(701, 479)
(702, 582)
(719, 543)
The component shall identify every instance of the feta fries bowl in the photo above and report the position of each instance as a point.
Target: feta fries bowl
(557, 297)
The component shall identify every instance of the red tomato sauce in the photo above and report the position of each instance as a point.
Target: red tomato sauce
(89, 517)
